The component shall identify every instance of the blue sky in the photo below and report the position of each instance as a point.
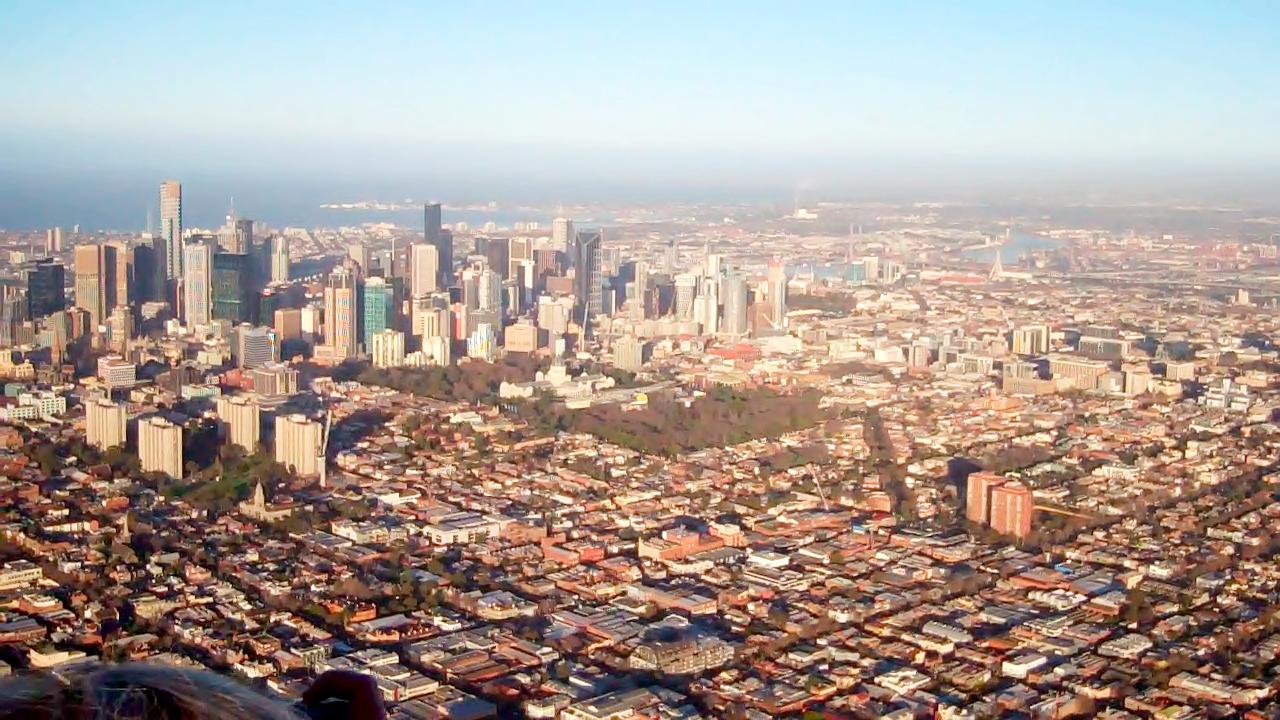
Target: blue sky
(764, 87)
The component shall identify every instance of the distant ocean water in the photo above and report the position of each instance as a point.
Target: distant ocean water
(1019, 245)
(97, 203)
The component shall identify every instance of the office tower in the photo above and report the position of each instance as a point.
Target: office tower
(160, 446)
(553, 314)
(171, 227)
(197, 281)
(1180, 371)
(481, 296)
(424, 269)
(288, 324)
(1031, 340)
(88, 282)
(777, 292)
(379, 310)
(116, 372)
(362, 256)
(240, 415)
(686, 291)
(14, 325)
(1012, 508)
(159, 285)
(232, 288)
(638, 289)
(340, 303)
(710, 297)
(978, 496)
(119, 329)
(123, 286)
(390, 261)
(498, 252)
(78, 322)
(561, 234)
(871, 269)
(431, 226)
(610, 261)
(104, 423)
(279, 259)
(523, 337)
(671, 256)
(1102, 347)
(310, 319)
(481, 287)
(735, 305)
(230, 239)
(55, 334)
(386, 348)
(445, 248)
(53, 241)
(268, 302)
(298, 444)
(588, 281)
(519, 249)
(144, 274)
(441, 240)
(95, 268)
(46, 288)
(236, 235)
(433, 325)
(1082, 373)
(461, 322)
(1137, 379)
(628, 353)
(432, 316)
(274, 380)
(254, 347)
(244, 234)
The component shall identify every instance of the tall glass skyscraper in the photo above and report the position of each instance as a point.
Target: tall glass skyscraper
(379, 309)
(442, 240)
(588, 282)
(46, 288)
(231, 287)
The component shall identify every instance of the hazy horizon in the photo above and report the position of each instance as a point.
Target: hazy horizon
(286, 108)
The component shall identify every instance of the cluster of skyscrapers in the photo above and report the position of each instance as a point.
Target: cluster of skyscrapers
(413, 305)
(417, 306)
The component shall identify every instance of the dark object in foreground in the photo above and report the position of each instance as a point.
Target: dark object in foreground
(138, 691)
(343, 694)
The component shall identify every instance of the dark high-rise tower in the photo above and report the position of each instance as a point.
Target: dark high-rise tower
(431, 222)
(587, 280)
(232, 299)
(144, 273)
(46, 288)
(442, 240)
(160, 269)
(498, 252)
